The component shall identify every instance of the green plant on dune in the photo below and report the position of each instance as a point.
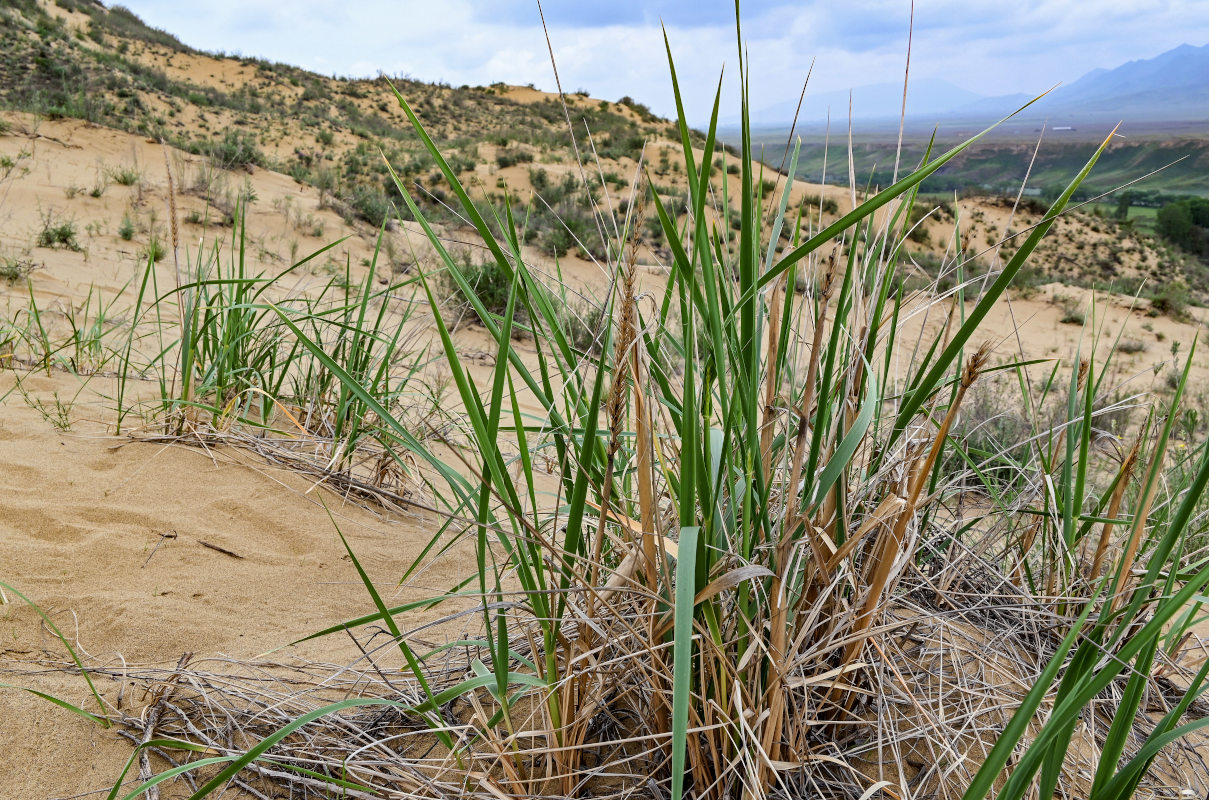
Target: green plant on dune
(58, 232)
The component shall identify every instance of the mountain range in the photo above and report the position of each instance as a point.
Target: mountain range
(1171, 87)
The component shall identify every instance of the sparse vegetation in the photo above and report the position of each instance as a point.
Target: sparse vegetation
(125, 176)
(127, 229)
(15, 268)
(58, 232)
(155, 250)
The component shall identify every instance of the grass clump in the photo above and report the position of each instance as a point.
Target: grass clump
(58, 233)
(15, 268)
(744, 559)
(756, 575)
(469, 278)
(235, 150)
(1171, 299)
(508, 157)
(155, 251)
(126, 229)
(1132, 346)
(126, 176)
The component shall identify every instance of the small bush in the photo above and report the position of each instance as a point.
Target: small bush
(156, 250)
(1072, 311)
(125, 176)
(919, 234)
(491, 284)
(14, 269)
(58, 234)
(126, 229)
(1131, 346)
(236, 150)
(512, 156)
(1171, 300)
(370, 204)
(584, 323)
(829, 205)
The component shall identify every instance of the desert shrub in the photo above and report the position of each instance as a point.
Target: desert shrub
(511, 157)
(57, 232)
(15, 268)
(491, 285)
(919, 234)
(1171, 299)
(990, 443)
(155, 250)
(370, 204)
(829, 206)
(641, 109)
(1131, 346)
(539, 179)
(125, 176)
(585, 321)
(126, 229)
(235, 150)
(1072, 311)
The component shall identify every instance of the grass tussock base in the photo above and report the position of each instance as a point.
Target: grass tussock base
(951, 665)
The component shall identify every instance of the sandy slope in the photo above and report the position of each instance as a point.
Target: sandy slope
(81, 516)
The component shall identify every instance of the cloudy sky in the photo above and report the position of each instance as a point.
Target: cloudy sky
(614, 47)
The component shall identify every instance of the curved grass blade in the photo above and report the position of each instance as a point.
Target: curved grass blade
(101, 720)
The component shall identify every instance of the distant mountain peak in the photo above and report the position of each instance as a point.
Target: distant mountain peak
(1169, 87)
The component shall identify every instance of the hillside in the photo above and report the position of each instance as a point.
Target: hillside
(77, 59)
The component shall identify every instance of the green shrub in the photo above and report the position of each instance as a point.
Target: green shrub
(235, 150)
(125, 176)
(58, 233)
(511, 157)
(491, 285)
(126, 229)
(1171, 299)
(13, 269)
(155, 250)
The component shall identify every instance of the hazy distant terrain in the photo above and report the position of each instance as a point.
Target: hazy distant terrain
(1000, 161)
(1162, 104)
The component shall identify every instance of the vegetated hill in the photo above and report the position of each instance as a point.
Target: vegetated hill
(80, 59)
